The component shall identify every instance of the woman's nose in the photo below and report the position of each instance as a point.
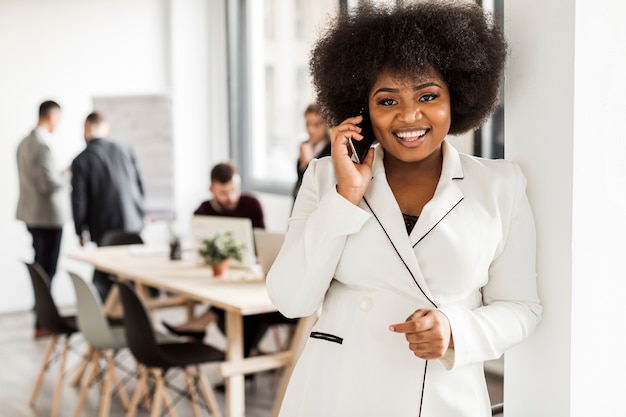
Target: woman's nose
(410, 112)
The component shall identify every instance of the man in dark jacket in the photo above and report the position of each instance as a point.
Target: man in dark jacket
(107, 191)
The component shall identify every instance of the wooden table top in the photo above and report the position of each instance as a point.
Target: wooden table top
(241, 290)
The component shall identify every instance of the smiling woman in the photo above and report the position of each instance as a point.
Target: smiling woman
(421, 258)
(411, 117)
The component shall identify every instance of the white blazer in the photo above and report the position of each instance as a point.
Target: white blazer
(471, 255)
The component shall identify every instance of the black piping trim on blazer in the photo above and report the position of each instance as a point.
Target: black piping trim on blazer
(435, 225)
(419, 414)
(414, 280)
(397, 252)
(326, 336)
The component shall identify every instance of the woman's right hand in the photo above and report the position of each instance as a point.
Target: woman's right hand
(306, 154)
(352, 178)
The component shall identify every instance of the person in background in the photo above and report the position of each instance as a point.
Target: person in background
(42, 203)
(318, 144)
(228, 201)
(420, 260)
(107, 190)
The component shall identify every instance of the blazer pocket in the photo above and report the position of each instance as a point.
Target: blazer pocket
(326, 336)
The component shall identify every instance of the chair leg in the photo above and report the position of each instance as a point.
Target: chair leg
(42, 371)
(169, 406)
(157, 402)
(105, 396)
(93, 360)
(56, 403)
(80, 369)
(193, 394)
(209, 395)
(147, 398)
(100, 372)
(121, 392)
(141, 386)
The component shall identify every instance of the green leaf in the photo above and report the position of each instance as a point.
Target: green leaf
(219, 247)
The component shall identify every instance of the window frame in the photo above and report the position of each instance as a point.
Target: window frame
(239, 91)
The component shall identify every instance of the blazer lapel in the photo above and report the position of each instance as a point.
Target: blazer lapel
(379, 199)
(447, 195)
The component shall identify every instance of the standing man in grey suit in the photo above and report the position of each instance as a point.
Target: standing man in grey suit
(107, 191)
(42, 203)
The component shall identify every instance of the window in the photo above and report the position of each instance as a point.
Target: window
(489, 139)
(272, 85)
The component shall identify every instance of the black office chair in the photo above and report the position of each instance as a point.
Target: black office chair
(120, 237)
(104, 281)
(157, 358)
(60, 327)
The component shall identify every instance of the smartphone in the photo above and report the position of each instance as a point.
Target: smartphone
(358, 148)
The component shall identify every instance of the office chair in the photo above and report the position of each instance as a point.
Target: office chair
(120, 237)
(59, 326)
(104, 281)
(102, 337)
(157, 358)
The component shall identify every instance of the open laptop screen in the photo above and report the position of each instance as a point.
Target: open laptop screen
(203, 227)
(268, 245)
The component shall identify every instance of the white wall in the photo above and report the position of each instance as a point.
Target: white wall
(564, 105)
(71, 50)
(599, 210)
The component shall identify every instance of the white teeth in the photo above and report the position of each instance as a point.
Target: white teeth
(413, 135)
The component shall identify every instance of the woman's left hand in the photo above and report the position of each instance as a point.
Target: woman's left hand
(428, 333)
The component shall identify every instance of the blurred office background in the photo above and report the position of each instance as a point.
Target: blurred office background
(187, 82)
(233, 74)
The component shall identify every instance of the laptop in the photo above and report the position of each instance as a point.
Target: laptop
(203, 227)
(268, 245)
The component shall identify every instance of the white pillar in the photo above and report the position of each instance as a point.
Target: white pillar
(564, 104)
(198, 86)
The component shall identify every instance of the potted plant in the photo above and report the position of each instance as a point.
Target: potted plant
(218, 249)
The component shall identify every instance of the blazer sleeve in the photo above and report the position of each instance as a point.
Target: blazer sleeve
(321, 222)
(137, 172)
(511, 307)
(46, 178)
(80, 196)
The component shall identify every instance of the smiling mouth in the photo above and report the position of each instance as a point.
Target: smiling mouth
(412, 136)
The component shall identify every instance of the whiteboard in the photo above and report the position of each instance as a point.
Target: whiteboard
(145, 123)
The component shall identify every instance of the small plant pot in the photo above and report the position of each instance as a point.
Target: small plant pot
(219, 270)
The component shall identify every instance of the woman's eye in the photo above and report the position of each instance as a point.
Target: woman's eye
(428, 97)
(387, 102)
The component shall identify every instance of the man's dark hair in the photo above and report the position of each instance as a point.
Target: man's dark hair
(223, 172)
(455, 39)
(95, 118)
(46, 107)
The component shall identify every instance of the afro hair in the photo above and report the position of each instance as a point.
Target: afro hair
(456, 39)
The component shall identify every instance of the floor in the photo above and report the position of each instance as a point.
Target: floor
(20, 359)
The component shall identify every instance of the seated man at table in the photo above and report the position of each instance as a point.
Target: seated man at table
(228, 200)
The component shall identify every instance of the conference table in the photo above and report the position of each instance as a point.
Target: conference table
(240, 292)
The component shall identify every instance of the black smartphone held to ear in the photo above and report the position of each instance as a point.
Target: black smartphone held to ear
(358, 148)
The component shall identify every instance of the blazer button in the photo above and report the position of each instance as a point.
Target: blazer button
(366, 304)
